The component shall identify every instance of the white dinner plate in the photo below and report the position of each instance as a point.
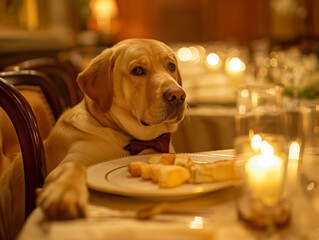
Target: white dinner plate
(113, 177)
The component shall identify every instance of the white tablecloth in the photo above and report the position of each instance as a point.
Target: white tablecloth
(213, 216)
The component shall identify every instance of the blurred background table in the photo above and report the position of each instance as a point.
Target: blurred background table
(206, 128)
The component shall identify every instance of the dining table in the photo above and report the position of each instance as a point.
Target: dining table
(206, 128)
(205, 215)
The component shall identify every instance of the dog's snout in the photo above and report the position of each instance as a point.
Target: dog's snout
(174, 95)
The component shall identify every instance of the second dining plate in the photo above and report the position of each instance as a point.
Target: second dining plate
(113, 177)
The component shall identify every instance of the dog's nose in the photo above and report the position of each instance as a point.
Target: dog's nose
(174, 95)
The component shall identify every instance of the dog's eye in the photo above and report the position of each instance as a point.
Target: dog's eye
(171, 67)
(138, 71)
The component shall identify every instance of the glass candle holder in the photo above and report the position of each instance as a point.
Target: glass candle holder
(261, 151)
(308, 167)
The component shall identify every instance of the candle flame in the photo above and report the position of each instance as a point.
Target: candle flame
(265, 172)
(266, 149)
(294, 150)
(256, 142)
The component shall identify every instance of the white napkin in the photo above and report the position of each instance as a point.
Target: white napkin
(117, 228)
(222, 224)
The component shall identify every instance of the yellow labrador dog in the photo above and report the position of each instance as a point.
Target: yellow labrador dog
(133, 94)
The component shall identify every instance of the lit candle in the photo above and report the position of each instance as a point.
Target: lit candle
(294, 152)
(235, 65)
(213, 61)
(235, 69)
(265, 175)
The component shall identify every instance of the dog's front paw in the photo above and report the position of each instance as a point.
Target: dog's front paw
(65, 195)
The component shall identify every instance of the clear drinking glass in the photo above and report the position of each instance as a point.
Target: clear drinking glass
(309, 161)
(261, 152)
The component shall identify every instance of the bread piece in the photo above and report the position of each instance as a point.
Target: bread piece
(147, 170)
(212, 172)
(169, 176)
(165, 158)
(134, 168)
(154, 159)
(183, 160)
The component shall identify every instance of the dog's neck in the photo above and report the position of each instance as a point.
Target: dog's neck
(122, 120)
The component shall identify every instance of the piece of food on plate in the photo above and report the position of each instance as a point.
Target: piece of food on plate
(171, 170)
(183, 160)
(154, 159)
(212, 172)
(134, 168)
(169, 176)
(147, 170)
(165, 158)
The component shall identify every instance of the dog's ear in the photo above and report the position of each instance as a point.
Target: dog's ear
(96, 80)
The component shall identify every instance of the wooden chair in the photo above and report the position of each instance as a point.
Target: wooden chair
(24, 78)
(25, 124)
(61, 75)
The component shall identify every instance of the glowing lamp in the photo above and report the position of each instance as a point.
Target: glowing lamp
(235, 65)
(184, 54)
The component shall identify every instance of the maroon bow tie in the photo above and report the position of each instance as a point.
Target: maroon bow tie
(159, 144)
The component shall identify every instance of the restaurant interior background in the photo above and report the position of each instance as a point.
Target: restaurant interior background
(220, 44)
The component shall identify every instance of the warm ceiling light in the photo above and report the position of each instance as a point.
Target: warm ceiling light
(104, 11)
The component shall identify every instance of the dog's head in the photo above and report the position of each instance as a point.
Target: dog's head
(140, 76)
